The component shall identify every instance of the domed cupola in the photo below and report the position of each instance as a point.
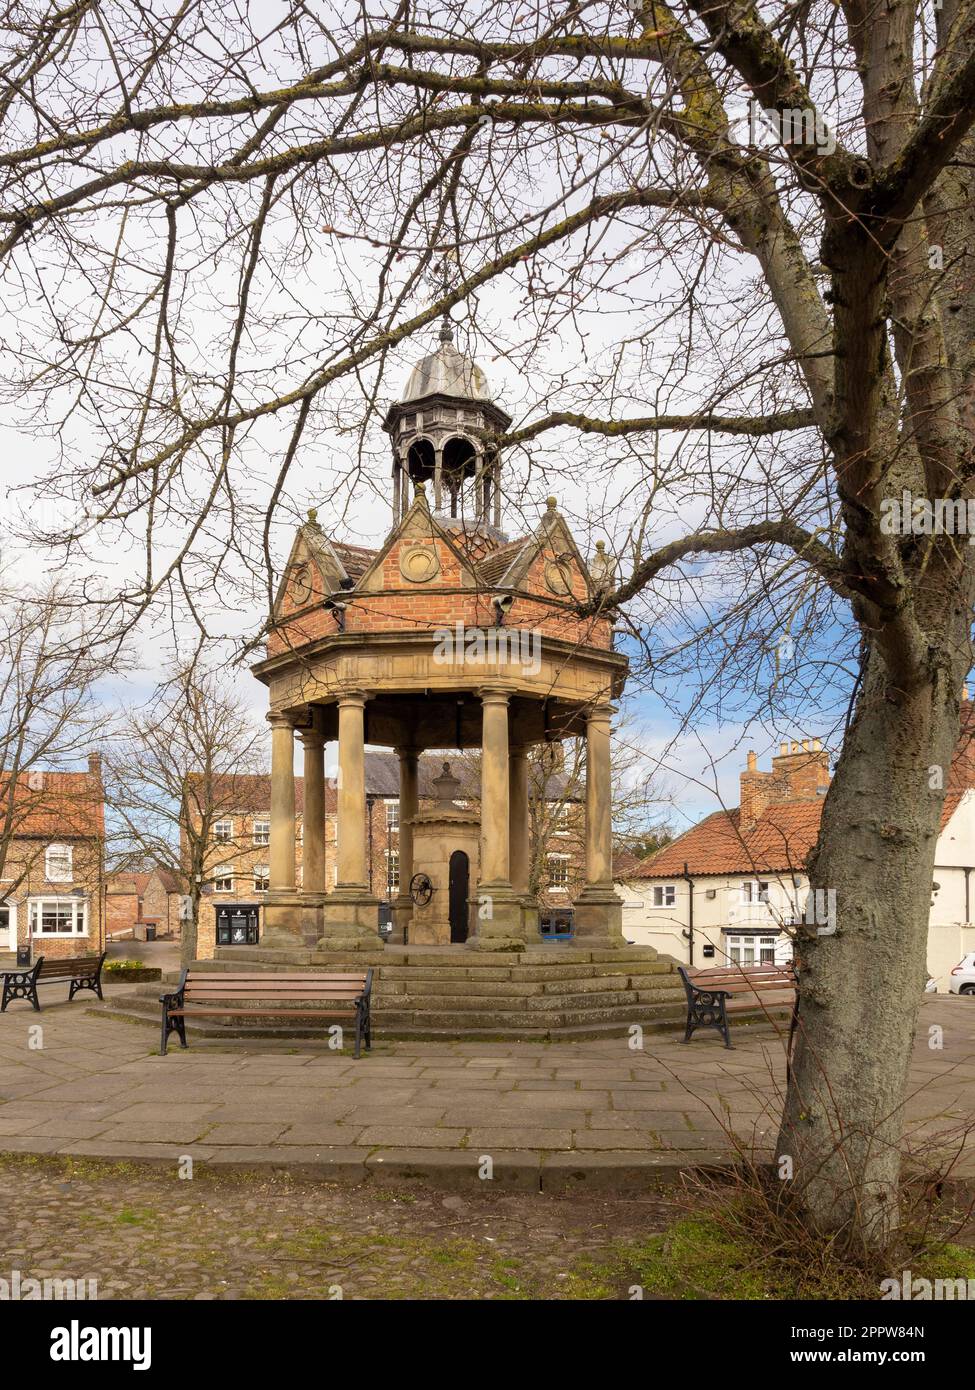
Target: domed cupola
(437, 430)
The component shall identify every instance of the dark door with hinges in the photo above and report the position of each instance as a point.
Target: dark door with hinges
(459, 886)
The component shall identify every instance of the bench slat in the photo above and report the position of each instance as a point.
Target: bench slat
(223, 977)
(258, 1013)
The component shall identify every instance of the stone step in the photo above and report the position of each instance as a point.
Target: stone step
(544, 958)
(460, 1022)
(479, 1031)
(418, 1025)
(515, 1005)
(457, 969)
(514, 989)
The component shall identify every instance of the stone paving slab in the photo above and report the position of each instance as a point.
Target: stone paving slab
(547, 1113)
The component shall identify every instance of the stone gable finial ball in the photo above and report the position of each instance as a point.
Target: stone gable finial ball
(313, 514)
(551, 503)
(420, 488)
(600, 545)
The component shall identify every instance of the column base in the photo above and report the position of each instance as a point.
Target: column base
(598, 917)
(284, 918)
(402, 915)
(499, 917)
(311, 914)
(530, 913)
(350, 921)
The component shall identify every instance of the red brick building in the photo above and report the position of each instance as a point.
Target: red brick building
(52, 882)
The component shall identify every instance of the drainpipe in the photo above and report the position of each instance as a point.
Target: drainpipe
(688, 933)
(968, 896)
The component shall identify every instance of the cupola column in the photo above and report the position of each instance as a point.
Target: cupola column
(437, 480)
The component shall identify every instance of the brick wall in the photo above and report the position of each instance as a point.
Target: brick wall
(799, 771)
(26, 870)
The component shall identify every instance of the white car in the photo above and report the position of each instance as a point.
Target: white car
(962, 978)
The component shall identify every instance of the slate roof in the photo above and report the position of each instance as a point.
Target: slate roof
(355, 559)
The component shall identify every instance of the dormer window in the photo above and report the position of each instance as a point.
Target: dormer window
(59, 864)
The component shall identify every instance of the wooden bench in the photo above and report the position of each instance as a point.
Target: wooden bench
(714, 993)
(83, 972)
(270, 995)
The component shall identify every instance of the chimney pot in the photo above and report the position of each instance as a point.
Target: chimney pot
(752, 761)
(795, 747)
(783, 749)
(817, 746)
(805, 745)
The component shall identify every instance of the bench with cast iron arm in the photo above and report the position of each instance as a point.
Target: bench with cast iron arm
(714, 993)
(286, 997)
(83, 972)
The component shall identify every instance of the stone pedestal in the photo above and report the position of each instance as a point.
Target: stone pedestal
(598, 918)
(350, 922)
(311, 914)
(499, 918)
(401, 912)
(283, 921)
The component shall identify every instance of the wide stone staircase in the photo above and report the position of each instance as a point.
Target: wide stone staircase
(547, 992)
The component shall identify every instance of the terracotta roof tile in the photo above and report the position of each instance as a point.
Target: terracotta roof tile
(69, 804)
(785, 834)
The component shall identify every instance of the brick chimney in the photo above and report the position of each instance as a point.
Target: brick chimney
(95, 765)
(800, 772)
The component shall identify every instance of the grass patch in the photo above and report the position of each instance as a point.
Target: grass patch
(713, 1255)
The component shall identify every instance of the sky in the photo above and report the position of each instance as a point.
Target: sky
(697, 769)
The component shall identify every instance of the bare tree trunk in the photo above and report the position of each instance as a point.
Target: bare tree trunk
(189, 932)
(862, 979)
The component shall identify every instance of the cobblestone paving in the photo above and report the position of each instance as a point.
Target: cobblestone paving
(150, 1235)
(95, 1088)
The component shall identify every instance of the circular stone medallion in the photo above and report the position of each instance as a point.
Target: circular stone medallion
(557, 575)
(419, 563)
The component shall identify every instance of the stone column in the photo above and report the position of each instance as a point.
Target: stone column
(351, 912)
(409, 804)
(598, 910)
(282, 909)
(437, 479)
(352, 793)
(313, 818)
(499, 923)
(518, 818)
(519, 839)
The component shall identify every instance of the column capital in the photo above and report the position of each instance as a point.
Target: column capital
(311, 738)
(405, 751)
(279, 720)
(495, 694)
(352, 697)
(602, 711)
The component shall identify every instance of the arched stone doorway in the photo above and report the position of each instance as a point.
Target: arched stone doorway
(458, 893)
